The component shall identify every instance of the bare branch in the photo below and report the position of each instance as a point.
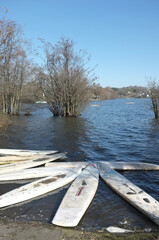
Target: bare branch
(154, 94)
(66, 86)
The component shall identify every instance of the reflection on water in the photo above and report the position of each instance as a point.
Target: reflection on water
(42, 131)
(113, 131)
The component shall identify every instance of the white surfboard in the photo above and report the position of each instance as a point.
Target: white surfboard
(67, 164)
(12, 158)
(32, 173)
(38, 187)
(115, 165)
(130, 192)
(77, 198)
(113, 229)
(12, 167)
(131, 166)
(23, 152)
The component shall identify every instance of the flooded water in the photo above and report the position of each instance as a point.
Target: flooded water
(113, 130)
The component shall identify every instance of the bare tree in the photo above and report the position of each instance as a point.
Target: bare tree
(154, 94)
(100, 93)
(12, 66)
(65, 80)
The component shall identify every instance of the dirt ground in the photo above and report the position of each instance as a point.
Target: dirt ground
(10, 230)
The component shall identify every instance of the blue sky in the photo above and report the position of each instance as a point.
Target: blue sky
(122, 36)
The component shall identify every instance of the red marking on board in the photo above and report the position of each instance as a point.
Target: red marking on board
(79, 191)
(92, 164)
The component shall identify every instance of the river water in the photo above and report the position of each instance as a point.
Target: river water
(113, 130)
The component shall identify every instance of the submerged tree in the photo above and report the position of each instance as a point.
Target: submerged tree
(65, 80)
(154, 94)
(13, 66)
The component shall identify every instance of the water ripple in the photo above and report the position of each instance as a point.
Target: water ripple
(113, 131)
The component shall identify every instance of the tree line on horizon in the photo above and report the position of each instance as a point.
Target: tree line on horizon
(33, 93)
(65, 80)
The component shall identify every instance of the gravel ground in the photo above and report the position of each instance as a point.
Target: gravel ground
(10, 230)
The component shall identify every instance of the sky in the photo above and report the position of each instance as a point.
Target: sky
(122, 36)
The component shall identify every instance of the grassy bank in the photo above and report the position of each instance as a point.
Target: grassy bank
(13, 230)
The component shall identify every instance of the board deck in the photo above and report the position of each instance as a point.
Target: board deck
(12, 167)
(52, 167)
(126, 166)
(66, 164)
(23, 152)
(12, 159)
(130, 192)
(38, 187)
(32, 173)
(77, 198)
